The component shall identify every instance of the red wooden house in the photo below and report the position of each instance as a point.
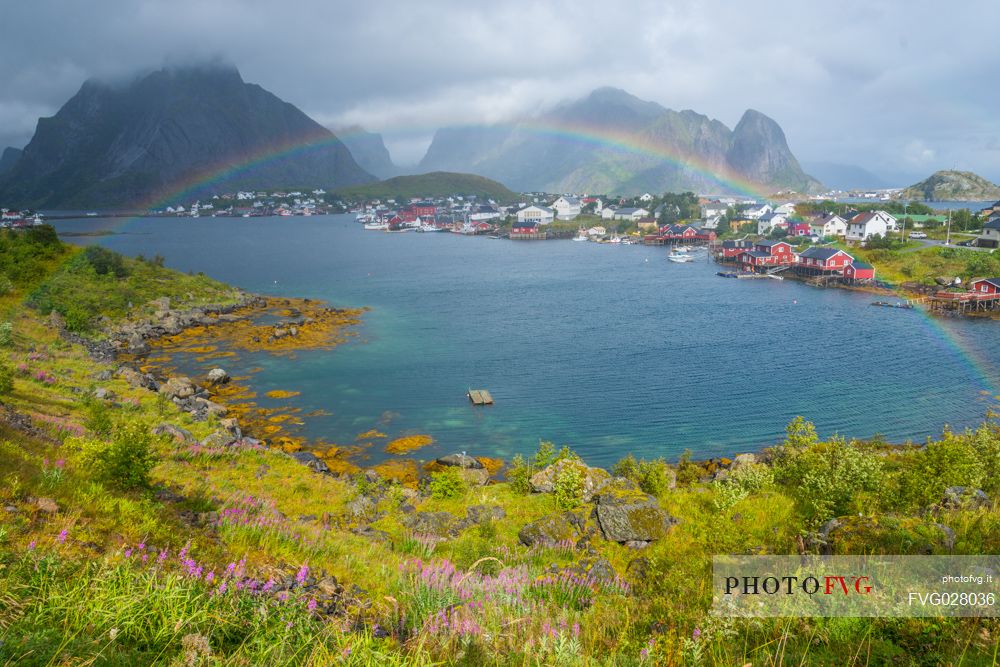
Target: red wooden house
(768, 254)
(732, 249)
(858, 271)
(526, 227)
(799, 229)
(986, 286)
(824, 260)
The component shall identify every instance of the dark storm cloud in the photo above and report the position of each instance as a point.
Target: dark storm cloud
(902, 86)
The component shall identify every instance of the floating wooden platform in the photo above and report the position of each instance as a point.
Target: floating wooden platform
(480, 397)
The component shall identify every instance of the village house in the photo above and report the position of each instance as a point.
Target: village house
(755, 212)
(608, 212)
(828, 225)
(824, 260)
(630, 214)
(858, 271)
(786, 210)
(646, 197)
(483, 212)
(598, 204)
(540, 215)
(766, 254)
(985, 286)
(799, 229)
(769, 222)
(731, 249)
(647, 224)
(713, 209)
(866, 225)
(566, 208)
(597, 231)
(990, 236)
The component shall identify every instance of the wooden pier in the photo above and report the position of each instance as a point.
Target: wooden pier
(480, 397)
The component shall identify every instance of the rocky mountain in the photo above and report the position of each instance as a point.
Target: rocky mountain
(190, 131)
(9, 158)
(611, 141)
(952, 186)
(368, 150)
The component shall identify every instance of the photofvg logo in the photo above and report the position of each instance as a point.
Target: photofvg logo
(855, 585)
(824, 584)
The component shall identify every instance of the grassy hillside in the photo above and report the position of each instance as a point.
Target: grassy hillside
(121, 547)
(434, 184)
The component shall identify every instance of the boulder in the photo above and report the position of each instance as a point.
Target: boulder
(460, 461)
(179, 435)
(551, 530)
(232, 426)
(430, 523)
(475, 476)
(137, 344)
(178, 387)
(742, 460)
(209, 407)
(479, 513)
(965, 497)
(160, 305)
(310, 460)
(104, 394)
(217, 376)
(218, 439)
(594, 479)
(631, 517)
(361, 507)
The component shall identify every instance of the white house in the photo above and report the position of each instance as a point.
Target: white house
(828, 224)
(786, 209)
(607, 213)
(756, 212)
(566, 208)
(631, 214)
(646, 197)
(767, 222)
(713, 209)
(539, 214)
(990, 236)
(483, 212)
(597, 231)
(712, 222)
(865, 225)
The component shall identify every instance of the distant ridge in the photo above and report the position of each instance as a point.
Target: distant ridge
(9, 158)
(613, 142)
(434, 184)
(192, 130)
(846, 176)
(368, 150)
(953, 186)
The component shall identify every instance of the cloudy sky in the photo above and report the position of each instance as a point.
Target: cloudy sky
(898, 87)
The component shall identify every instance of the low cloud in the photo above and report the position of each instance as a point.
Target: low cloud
(850, 82)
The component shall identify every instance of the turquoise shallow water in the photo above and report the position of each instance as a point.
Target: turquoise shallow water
(608, 349)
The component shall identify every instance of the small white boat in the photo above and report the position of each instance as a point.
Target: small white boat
(581, 237)
(682, 249)
(429, 228)
(680, 258)
(376, 226)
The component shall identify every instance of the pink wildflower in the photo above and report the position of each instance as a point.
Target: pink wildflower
(62, 536)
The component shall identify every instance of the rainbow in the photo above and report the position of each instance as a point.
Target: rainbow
(578, 134)
(966, 354)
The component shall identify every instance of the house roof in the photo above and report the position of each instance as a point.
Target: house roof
(858, 264)
(820, 253)
(572, 201)
(737, 243)
(526, 223)
(756, 253)
(992, 281)
(769, 244)
(627, 211)
(994, 223)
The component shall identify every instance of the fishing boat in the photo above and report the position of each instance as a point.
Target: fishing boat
(682, 249)
(376, 226)
(581, 237)
(680, 258)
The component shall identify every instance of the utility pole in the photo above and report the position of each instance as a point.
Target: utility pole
(902, 233)
(947, 240)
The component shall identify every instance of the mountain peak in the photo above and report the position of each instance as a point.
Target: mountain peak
(759, 151)
(130, 142)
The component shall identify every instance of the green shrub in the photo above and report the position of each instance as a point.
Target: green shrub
(105, 262)
(448, 483)
(6, 379)
(124, 461)
(951, 461)
(98, 418)
(627, 467)
(742, 481)
(519, 475)
(568, 486)
(6, 286)
(687, 472)
(6, 334)
(655, 476)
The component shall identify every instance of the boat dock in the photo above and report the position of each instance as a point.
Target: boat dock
(747, 275)
(480, 397)
(888, 304)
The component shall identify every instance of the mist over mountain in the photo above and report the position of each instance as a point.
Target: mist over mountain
(611, 141)
(196, 129)
(369, 151)
(848, 176)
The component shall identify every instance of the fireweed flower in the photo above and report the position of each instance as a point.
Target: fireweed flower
(31, 545)
(303, 573)
(696, 633)
(62, 536)
(311, 605)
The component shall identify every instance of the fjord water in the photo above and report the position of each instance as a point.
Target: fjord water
(608, 349)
